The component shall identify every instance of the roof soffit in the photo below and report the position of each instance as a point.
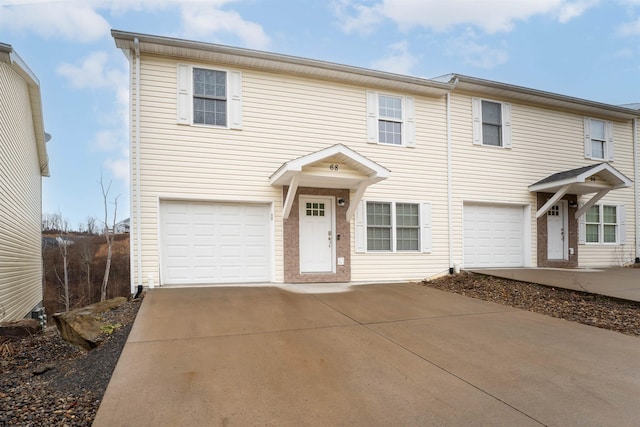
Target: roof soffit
(553, 101)
(265, 61)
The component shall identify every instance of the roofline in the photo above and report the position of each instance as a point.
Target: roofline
(9, 56)
(278, 62)
(473, 84)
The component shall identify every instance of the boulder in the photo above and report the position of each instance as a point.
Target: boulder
(82, 326)
(20, 328)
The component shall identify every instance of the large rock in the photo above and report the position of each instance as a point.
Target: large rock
(20, 328)
(82, 326)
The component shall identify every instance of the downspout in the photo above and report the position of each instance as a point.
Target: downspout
(449, 186)
(636, 185)
(136, 44)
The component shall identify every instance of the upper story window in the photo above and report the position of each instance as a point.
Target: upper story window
(209, 97)
(598, 139)
(390, 119)
(491, 123)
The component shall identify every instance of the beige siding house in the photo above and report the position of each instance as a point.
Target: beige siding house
(250, 167)
(23, 163)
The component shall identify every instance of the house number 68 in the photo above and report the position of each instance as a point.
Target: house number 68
(333, 167)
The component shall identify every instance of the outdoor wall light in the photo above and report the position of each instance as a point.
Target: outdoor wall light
(341, 202)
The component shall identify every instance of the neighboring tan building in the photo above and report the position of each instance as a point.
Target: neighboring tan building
(250, 166)
(23, 163)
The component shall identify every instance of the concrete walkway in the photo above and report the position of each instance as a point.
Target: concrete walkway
(379, 355)
(621, 283)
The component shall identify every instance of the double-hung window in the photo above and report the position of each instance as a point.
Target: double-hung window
(396, 227)
(598, 139)
(604, 224)
(209, 97)
(390, 119)
(491, 123)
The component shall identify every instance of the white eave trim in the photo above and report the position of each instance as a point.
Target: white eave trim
(267, 61)
(289, 174)
(566, 186)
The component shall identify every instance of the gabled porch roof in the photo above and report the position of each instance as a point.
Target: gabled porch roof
(599, 178)
(333, 167)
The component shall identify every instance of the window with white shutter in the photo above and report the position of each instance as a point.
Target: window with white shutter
(491, 123)
(598, 139)
(209, 97)
(390, 119)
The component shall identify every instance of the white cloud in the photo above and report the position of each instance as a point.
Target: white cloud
(72, 20)
(399, 61)
(441, 15)
(119, 168)
(202, 20)
(473, 53)
(630, 28)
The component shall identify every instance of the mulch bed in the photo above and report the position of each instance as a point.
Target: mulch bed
(45, 381)
(589, 309)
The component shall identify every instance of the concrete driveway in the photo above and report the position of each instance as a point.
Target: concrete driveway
(379, 355)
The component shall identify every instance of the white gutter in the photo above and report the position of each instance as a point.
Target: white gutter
(637, 187)
(449, 183)
(137, 132)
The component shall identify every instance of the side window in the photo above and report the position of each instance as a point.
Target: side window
(603, 224)
(393, 227)
(209, 97)
(390, 119)
(491, 123)
(598, 139)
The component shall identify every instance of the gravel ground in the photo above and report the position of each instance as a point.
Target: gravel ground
(45, 381)
(589, 309)
(71, 387)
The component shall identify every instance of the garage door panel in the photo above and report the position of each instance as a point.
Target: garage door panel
(493, 236)
(223, 242)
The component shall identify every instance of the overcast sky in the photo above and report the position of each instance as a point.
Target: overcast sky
(584, 48)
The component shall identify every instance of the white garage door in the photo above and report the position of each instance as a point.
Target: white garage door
(493, 236)
(212, 243)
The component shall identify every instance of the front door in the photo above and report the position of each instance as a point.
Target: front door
(557, 232)
(316, 234)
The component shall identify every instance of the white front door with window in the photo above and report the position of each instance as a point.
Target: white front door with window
(556, 232)
(317, 236)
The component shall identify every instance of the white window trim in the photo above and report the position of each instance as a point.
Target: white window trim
(408, 119)
(184, 96)
(621, 232)
(425, 226)
(476, 112)
(609, 148)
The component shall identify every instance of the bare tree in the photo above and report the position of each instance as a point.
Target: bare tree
(108, 235)
(63, 247)
(87, 252)
(91, 225)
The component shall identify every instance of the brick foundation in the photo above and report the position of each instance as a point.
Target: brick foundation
(291, 249)
(572, 260)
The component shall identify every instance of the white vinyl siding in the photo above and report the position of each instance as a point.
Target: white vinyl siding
(20, 209)
(491, 123)
(598, 140)
(213, 164)
(390, 119)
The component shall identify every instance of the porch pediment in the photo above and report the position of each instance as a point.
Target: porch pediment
(600, 179)
(334, 167)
